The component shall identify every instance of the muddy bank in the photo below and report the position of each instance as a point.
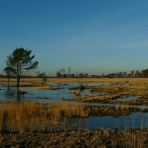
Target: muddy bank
(77, 138)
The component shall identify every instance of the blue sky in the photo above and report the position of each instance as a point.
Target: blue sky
(93, 36)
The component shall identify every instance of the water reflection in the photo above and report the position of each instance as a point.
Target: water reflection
(10, 93)
(61, 91)
(7, 93)
(135, 120)
(46, 96)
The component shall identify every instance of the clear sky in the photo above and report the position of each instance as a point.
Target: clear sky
(93, 36)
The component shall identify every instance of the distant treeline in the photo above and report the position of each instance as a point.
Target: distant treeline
(64, 74)
(131, 74)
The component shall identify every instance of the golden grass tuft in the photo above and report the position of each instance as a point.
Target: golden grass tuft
(36, 116)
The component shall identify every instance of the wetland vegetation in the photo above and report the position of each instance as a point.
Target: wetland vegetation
(75, 107)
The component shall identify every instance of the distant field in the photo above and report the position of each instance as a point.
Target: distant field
(62, 80)
(98, 80)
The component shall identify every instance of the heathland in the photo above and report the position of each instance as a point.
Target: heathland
(74, 112)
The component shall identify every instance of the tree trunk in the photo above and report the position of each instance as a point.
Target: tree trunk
(18, 88)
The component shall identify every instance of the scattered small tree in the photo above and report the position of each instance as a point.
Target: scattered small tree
(18, 62)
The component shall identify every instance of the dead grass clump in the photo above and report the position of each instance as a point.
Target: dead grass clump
(34, 116)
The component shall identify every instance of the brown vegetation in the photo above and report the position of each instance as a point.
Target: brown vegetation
(32, 116)
(132, 87)
(77, 138)
(37, 116)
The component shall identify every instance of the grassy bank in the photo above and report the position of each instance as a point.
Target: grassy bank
(42, 117)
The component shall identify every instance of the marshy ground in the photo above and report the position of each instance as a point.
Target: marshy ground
(48, 114)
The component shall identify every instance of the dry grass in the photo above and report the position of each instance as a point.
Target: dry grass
(23, 82)
(32, 116)
(130, 80)
(37, 116)
(129, 89)
(42, 117)
(107, 97)
(115, 91)
(31, 124)
(139, 89)
(62, 80)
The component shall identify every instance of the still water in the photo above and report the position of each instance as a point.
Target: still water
(134, 120)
